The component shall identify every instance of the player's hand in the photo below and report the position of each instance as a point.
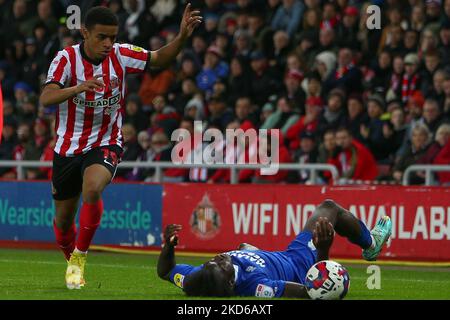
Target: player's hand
(91, 84)
(191, 19)
(323, 234)
(171, 234)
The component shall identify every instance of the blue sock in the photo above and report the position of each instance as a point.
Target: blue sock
(365, 240)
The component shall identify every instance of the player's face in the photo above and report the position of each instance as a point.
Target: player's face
(222, 264)
(100, 40)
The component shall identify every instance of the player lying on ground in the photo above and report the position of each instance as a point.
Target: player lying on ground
(87, 82)
(253, 272)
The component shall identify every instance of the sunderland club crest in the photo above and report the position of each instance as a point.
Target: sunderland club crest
(205, 220)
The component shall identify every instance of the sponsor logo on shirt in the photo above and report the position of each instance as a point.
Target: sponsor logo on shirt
(103, 103)
(264, 291)
(136, 48)
(114, 83)
(178, 279)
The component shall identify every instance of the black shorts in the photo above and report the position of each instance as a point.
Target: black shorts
(67, 179)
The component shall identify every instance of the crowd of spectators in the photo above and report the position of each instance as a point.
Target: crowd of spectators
(370, 101)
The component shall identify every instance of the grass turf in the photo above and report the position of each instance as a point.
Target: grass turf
(38, 274)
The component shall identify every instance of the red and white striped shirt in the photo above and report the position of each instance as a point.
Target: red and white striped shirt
(93, 119)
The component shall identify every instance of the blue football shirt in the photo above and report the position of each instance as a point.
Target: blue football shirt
(257, 273)
(262, 273)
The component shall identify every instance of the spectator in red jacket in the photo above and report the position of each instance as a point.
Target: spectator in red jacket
(165, 115)
(242, 149)
(443, 156)
(411, 78)
(308, 122)
(442, 136)
(256, 176)
(353, 161)
(177, 174)
(243, 109)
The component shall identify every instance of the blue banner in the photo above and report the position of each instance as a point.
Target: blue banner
(132, 215)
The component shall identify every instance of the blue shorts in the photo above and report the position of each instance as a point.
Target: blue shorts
(302, 253)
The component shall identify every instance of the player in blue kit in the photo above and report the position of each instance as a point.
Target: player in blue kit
(249, 271)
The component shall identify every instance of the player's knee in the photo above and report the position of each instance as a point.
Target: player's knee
(91, 192)
(63, 224)
(329, 209)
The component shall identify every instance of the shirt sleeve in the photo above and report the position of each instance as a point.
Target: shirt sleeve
(134, 58)
(59, 70)
(261, 287)
(179, 272)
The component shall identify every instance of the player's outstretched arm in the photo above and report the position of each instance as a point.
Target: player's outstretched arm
(166, 261)
(164, 56)
(54, 94)
(295, 290)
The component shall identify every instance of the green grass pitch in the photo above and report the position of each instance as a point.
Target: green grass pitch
(39, 274)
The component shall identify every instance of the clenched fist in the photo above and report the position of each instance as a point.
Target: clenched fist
(171, 234)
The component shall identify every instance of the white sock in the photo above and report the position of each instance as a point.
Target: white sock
(78, 251)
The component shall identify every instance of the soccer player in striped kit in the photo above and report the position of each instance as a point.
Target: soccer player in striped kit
(87, 81)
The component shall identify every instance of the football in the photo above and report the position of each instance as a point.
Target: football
(327, 280)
